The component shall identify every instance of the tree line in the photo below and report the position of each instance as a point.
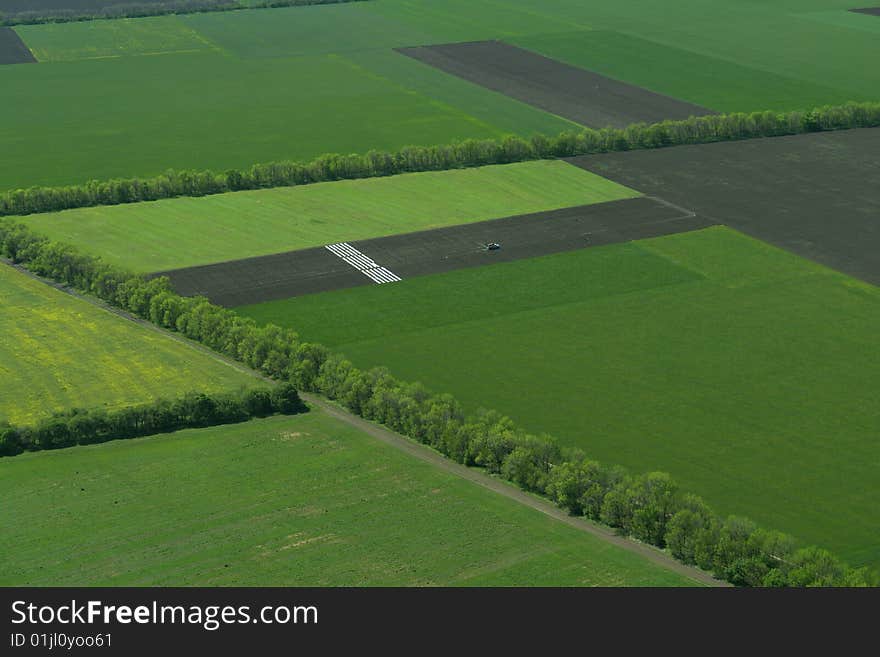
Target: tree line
(196, 409)
(463, 154)
(134, 9)
(650, 507)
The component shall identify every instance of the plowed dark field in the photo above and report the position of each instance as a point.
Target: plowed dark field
(269, 278)
(815, 195)
(573, 93)
(12, 48)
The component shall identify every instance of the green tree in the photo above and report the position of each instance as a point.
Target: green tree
(529, 464)
(687, 528)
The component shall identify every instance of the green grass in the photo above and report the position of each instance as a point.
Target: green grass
(303, 501)
(192, 231)
(294, 83)
(104, 39)
(684, 74)
(58, 352)
(137, 122)
(746, 372)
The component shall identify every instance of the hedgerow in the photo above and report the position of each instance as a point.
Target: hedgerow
(650, 507)
(463, 154)
(91, 426)
(123, 9)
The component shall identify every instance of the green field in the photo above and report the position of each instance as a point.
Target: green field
(58, 352)
(276, 109)
(192, 231)
(302, 501)
(661, 68)
(748, 373)
(297, 82)
(107, 39)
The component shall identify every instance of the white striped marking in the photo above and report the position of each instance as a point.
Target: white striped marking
(362, 263)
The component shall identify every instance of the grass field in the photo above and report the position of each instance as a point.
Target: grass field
(306, 501)
(296, 82)
(746, 372)
(58, 352)
(106, 39)
(192, 231)
(306, 107)
(659, 67)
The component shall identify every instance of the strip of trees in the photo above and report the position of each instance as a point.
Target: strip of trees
(650, 507)
(134, 9)
(196, 409)
(463, 154)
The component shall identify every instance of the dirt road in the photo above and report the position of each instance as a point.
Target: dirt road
(507, 490)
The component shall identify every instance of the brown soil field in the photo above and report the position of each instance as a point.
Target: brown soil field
(573, 93)
(12, 48)
(285, 275)
(816, 195)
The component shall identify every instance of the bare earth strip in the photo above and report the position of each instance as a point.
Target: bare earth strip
(502, 488)
(12, 48)
(425, 454)
(573, 93)
(285, 275)
(267, 278)
(816, 195)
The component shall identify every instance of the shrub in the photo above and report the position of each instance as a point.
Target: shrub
(86, 427)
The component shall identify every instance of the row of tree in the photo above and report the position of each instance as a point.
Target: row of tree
(135, 9)
(90, 426)
(468, 153)
(649, 507)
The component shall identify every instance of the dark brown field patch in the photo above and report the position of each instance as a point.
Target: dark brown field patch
(285, 275)
(872, 11)
(528, 236)
(267, 278)
(568, 91)
(12, 48)
(816, 195)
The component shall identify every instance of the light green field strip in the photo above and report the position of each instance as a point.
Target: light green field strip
(181, 232)
(58, 352)
(302, 501)
(103, 39)
(364, 26)
(748, 373)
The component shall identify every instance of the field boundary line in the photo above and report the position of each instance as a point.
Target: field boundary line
(344, 58)
(511, 492)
